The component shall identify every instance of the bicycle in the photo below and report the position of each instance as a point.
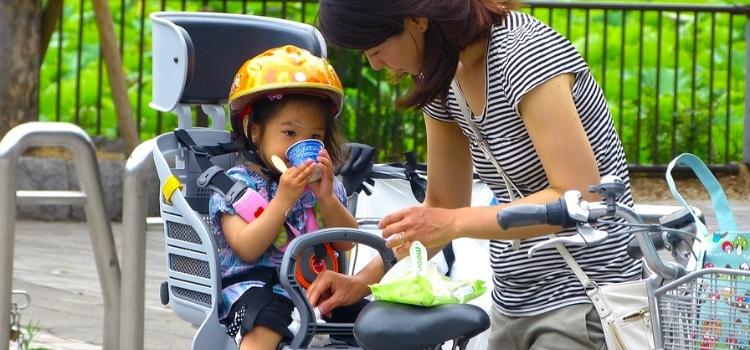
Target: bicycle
(690, 307)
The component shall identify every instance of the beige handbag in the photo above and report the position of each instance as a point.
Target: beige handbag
(623, 308)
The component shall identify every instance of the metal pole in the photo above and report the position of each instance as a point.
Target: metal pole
(8, 163)
(75, 139)
(102, 240)
(746, 143)
(139, 166)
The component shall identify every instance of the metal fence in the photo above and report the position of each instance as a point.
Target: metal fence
(674, 75)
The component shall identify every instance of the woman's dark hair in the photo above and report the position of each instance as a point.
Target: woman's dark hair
(264, 109)
(452, 26)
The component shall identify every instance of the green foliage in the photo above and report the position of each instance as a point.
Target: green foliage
(668, 91)
(29, 332)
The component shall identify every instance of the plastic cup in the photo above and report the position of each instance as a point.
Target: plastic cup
(303, 150)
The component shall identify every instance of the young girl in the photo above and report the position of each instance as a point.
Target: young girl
(279, 97)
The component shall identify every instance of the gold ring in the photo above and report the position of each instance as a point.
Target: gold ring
(401, 237)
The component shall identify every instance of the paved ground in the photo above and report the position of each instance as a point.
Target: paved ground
(55, 264)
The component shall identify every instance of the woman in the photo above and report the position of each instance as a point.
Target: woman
(549, 129)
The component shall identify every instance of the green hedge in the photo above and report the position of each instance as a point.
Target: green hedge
(709, 124)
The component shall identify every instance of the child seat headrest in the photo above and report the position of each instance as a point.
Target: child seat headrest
(197, 54)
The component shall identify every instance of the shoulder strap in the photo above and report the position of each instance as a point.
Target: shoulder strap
(719, 200)
(585, 281)
(509, 185)
(212, 175)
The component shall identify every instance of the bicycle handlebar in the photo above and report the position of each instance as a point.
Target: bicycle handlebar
(570, 211)
(554, 213)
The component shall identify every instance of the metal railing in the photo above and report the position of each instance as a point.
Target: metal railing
(670, 73)
(139, 166)
(71, 137)
(674, 75)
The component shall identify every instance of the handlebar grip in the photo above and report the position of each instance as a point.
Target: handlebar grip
(557, 214)
(658, 239)
(554, 213)
(522, 215)
(634, 249)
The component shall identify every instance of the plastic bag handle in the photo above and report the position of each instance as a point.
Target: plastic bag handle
(724, 214)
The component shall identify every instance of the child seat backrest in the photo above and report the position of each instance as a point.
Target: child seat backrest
(195, 57)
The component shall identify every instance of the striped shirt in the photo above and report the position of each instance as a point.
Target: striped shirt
(522, 54)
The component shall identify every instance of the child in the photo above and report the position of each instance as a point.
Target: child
(279, 97)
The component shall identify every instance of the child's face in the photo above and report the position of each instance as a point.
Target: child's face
(295, 121)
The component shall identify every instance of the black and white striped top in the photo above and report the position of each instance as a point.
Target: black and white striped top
(522, 54)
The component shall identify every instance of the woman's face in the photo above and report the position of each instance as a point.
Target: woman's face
(402, 52)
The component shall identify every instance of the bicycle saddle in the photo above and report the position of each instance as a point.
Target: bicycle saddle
(386, 325)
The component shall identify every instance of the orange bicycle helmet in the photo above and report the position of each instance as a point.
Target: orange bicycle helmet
(283, 70)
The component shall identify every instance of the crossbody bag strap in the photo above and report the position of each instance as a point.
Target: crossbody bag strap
(573, 264)
(590, 287)
(485, 147)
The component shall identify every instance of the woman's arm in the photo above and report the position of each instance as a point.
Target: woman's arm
(551, 119)
(449, 169)
(449, 185)
(561, 143)
(449, 165)
(332, 289)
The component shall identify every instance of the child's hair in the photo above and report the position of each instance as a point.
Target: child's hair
(265, 109)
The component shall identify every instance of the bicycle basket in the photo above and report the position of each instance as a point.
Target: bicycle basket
(707, 309)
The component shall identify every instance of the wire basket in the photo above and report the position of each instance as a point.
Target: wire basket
(707, 309)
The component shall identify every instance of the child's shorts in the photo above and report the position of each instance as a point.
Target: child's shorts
(276, 315)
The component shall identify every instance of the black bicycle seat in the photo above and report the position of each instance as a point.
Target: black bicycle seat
(385, 325)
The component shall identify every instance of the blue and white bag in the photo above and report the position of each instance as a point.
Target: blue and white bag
(724, 296)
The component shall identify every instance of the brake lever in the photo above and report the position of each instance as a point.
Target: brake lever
(587, 235)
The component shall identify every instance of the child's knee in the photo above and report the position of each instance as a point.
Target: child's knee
(261, 338)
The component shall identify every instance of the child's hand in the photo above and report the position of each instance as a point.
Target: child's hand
(293, 181)
(323, 188)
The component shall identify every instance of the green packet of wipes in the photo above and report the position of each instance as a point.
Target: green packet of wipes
(416, 281)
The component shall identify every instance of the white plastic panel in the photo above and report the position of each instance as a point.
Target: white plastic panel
(170, 63)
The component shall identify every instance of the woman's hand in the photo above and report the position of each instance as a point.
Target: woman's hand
(332, 289)
(323, 188)
(431, 226)
(292, 183)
